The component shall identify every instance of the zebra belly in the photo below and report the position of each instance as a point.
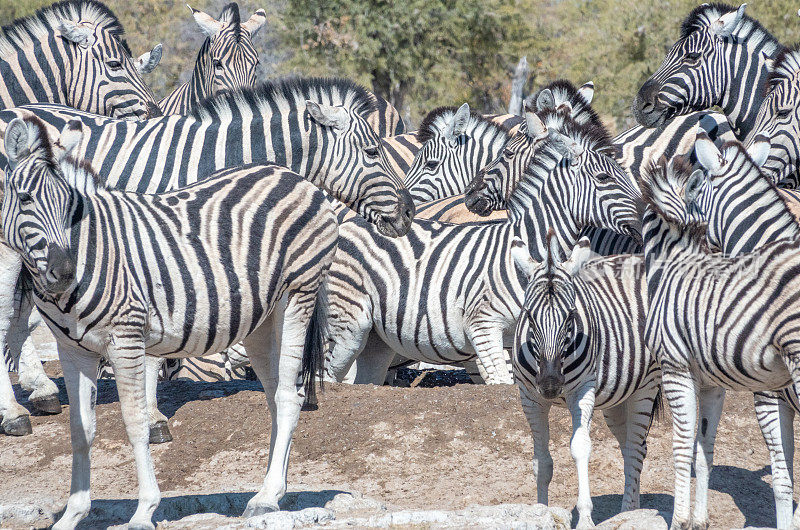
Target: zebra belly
(765, 370)
(428, 341)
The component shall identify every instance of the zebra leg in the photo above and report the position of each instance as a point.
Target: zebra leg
(786, 408)
(373, 362)
(711, 402)
(159, 429)
(80, 376)
(537, 412)
(792, 360)
(581, 407)
(487, 340)
(285, 393)
(349, 339)
(679, 389)
(16, 420)
(32, 378)
(768, 414)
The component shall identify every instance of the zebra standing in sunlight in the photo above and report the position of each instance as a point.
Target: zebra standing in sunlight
(316, 127)
(713, 323)
(226, 60)
(579, 343)
(248, 250)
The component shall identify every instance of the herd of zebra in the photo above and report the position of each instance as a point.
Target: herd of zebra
(295, 226)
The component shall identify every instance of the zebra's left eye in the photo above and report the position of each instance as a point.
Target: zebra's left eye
(431, 164)
(114, 65)
(602, 177)
(371, 151)
(217, 63)
(25, 197)
(692, 57)
(784, 113)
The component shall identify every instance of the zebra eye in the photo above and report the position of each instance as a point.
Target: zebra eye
(784, 113)
(371, 151)
(432, 164)
(114, 65)
(217, 63)
(508, 152)
(692, 57)
(25, 197)
(602, 177)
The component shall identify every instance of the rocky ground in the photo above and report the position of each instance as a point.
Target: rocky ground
(417, 456)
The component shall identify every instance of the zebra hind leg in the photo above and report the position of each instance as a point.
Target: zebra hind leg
(15, 418)
(768, 414)
(487, 340)
(711, 402)
(80, 376)
(159, 429)
(581, 408)
(537, 412)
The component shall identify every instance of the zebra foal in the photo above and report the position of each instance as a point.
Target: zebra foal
(249, 246)
(579, 343)
(713, 323)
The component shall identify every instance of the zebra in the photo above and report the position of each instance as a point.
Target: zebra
(74, 53)
(714, 322)
(579, 343)
(251, 247)
(778, 120)
(722, 58)
(226, 60)
(314, 126)
(454, 291)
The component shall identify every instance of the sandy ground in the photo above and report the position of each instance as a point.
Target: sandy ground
(423, 448)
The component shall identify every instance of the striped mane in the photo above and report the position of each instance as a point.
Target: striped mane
(293, 91)
(230, 15)
(702, 16)
(437, 120)
(18, 34)
(786, 67)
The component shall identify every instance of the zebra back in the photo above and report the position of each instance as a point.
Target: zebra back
(227, 58)
(74, 53)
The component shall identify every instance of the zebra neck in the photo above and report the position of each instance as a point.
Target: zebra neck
(202, 74)
(747, 78)
(12, 93)
(666, 243)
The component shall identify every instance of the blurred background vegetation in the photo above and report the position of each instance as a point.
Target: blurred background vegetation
(420, 54)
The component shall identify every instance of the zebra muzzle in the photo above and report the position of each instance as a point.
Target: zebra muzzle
(550, 379)
(647, 109)
(60, 271)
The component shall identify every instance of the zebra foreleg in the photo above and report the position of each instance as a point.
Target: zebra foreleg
(768, 414)
(80, 376)
(787, 406)
(129, 368)
(538, 412)
(285, 394)
(581, 407)
(679, 389)
(159, 429)
(711, 402)
(16, 420)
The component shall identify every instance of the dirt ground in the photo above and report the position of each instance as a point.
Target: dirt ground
(441, 447)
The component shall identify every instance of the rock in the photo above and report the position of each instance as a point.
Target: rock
(353, 502)
(26, 515)
(634, 520)
(288, 520)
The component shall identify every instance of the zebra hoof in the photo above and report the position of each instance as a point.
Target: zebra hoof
(20, 426)
(310, 405)
(47, 404)
(259, 509)
(159, 433)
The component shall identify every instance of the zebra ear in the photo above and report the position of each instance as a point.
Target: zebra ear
(587, 92)
(694, 186)
(208, 24)
(147, 62)
(759, 149)
(707, 153)
(327, 115)
(522, 257)
(71, 135)
(536, 129)
(80, 35)
(458, 124)
(724, 25)
(255, 22)
(581, 253)
(545, 100)
(18, 142)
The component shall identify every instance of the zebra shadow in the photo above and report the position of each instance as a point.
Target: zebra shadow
(110, 512)
(607, 506)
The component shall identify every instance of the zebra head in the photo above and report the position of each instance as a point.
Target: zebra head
(549, 327)
(228, 58)
(563, 97)
(455, 145)
(359, 172)
(39, 200)
(734, 173)
(694, 74)
(779, 119)
(103, 77)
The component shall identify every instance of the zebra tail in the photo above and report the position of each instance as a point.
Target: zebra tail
(314, 350)
(658, 407)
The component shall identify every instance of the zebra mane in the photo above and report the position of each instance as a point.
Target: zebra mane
(786, 67)
(565, 91)
(230, 15)
(703, 15)
(18, 33)
(436, 121)
(662, 178)
(292, 91)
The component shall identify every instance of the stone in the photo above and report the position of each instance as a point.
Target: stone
(634, 520)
